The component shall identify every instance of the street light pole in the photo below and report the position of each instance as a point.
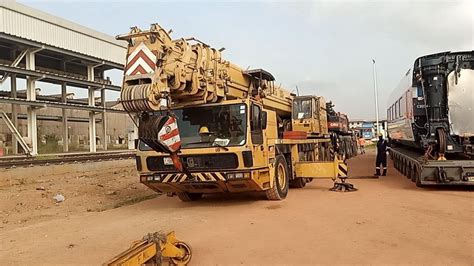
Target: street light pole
(376, 98)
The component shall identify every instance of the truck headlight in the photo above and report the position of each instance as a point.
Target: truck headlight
(238, 175)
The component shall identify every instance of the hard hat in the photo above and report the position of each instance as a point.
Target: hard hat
(203, 130)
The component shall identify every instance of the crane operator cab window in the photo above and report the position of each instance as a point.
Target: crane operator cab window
(211, 126)
(258, 122)
(302, 108)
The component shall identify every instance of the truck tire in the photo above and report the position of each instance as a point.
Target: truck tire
(186, 196)
(280, 185)
(299, 182)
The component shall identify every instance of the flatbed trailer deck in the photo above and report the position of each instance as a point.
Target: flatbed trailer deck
(424, 172)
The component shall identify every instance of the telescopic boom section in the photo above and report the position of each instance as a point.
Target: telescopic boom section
(161, 72)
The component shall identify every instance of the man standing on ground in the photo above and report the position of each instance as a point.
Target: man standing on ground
(381, 157)
(361, 145)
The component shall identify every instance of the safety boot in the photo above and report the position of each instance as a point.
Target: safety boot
(377, 172)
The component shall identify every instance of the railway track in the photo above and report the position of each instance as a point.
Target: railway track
(64, 159)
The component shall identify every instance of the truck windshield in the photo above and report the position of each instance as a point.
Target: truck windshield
(302, 109)
(211, 126)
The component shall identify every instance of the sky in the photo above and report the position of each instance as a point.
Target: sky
(323, 47)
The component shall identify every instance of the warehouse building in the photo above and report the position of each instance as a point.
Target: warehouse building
(42, 52)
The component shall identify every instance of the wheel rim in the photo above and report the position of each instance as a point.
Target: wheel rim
(187, 254)
(281, 175)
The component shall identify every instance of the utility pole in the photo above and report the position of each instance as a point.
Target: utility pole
(376, 98)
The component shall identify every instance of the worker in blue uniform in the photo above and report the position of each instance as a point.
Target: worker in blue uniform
(381, 159)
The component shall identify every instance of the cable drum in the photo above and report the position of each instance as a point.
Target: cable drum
(136, 98)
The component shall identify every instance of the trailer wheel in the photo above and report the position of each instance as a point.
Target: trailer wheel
(404, 168)
(186, 196)
(414, 173)
(299, 182)
(279, 190)
(418, 179)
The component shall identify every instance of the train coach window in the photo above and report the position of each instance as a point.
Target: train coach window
(399, 109)
(396, 110)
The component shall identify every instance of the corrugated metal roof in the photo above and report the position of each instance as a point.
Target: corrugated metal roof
(28, 23)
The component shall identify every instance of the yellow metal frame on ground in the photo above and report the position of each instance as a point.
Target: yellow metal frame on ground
(143, 251)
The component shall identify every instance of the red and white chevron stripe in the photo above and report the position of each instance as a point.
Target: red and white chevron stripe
(140, 61)
(169, 134)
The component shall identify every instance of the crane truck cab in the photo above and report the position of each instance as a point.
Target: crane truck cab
(310, 116)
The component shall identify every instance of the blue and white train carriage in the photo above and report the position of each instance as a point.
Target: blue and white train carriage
(432, 107)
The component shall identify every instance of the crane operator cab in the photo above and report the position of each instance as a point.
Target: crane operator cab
(309, 115)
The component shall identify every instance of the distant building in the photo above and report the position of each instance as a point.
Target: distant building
(355, 124)
(367, 128)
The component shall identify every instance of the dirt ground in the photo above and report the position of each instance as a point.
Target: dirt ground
(388, 221)
(26, 194)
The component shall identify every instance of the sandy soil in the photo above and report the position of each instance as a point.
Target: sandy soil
(26, 194)
(388, 220)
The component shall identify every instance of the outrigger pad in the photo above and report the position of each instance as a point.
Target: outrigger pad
(343, 187)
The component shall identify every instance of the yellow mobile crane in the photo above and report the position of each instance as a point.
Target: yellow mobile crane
(206, 125)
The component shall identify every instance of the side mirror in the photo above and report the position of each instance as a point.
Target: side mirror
(263, 118)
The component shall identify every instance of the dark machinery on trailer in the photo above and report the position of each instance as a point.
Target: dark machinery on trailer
(431, 120)
(342, 137)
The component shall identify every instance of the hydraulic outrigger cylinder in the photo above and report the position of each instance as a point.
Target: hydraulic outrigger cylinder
(342, 186)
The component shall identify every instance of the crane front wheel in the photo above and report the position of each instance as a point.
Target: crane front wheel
(279, 188)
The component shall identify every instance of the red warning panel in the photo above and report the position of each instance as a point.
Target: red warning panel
(295, 135)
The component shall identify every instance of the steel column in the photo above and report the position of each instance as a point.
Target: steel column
(104, 120)
(31, 96)
(64, 119)
(14, 117)
(92, 128)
